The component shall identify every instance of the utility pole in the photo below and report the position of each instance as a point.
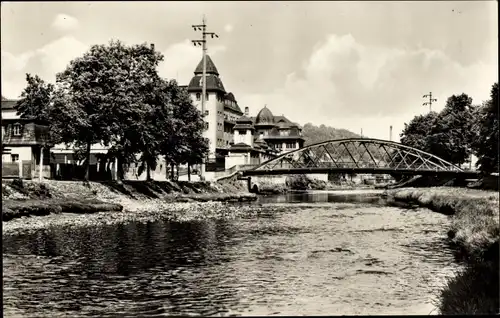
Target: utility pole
(203, 43)
(430, 101)
(390, 133)
(361, 132)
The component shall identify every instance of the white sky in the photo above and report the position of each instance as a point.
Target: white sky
(349, 65)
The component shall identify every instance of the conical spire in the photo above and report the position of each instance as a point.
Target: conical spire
(211, 69)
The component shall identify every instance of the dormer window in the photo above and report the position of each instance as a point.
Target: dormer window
(16, 129)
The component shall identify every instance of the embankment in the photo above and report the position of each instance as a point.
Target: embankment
(27, 198)
(475, 234)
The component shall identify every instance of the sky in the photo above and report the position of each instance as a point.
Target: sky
(353, 65)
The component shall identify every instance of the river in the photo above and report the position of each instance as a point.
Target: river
(321, 254)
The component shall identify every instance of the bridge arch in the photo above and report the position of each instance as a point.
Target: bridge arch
(357, 155)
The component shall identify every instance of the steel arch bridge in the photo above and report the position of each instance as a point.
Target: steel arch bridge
(358, 155)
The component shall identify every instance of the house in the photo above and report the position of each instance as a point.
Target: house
(24, 145)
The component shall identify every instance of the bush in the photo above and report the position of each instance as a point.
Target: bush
(472, 291)
(298, 182)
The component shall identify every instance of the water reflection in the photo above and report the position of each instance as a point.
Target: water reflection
(354, 257)
(324, 197)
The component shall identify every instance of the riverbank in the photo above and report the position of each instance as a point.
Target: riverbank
(475, 234)
(28, 198)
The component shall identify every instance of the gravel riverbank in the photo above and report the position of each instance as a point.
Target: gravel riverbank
(30, 198)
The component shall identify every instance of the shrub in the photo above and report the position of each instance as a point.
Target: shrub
(298, 182)
(473, 291)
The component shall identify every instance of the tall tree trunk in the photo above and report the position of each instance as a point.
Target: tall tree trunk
(189, 171)
(121, 172)
(87, 162)
(177, 173)
(172, 171)
(148, 172)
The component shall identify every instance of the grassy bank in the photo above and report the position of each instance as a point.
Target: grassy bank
(29, 198)
(475, 233)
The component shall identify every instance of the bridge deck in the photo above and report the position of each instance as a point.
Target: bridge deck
(263, 172)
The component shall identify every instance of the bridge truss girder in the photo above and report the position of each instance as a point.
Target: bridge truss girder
(358, 154)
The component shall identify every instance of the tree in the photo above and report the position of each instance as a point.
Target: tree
(486, 142)
(451, 137)
(36, 103)
(415, 134)
(35, 99)
(447, 135)
(107, 88)
(183, 141)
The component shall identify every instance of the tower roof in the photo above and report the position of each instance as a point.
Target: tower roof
(211, 69)
(213, 84)
(264, 117)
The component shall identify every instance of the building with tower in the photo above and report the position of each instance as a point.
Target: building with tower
(234, 137)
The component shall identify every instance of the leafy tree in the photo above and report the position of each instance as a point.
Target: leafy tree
(107, 88)
(415, 133)
(447, 135)
(451, 137)
(35, 99)
(486, 142)
(183, 141)
(36, 103)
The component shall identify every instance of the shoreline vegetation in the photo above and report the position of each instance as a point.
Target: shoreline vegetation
(474, 234)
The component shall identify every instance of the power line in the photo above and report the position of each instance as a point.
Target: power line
(203, 43)
(430, 101)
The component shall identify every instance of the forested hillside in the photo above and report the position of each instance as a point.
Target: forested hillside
(314, 134)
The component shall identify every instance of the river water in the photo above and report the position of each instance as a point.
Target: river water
(320, 254)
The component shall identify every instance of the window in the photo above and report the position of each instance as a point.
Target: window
(206, 97)
(206, 125)
(198, 96)
(14, 157)
(206, 112)
(17, 130)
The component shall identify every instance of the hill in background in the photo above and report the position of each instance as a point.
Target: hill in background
(314, 134)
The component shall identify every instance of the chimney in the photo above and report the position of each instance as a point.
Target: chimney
(390, 133)
(246, 111)
(152, 46)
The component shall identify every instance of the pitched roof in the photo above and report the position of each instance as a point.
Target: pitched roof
(8, 104)
(231, 103)
(213, 84)
(277, 119)
(243, 126)
(244, 120)
(211, 69)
